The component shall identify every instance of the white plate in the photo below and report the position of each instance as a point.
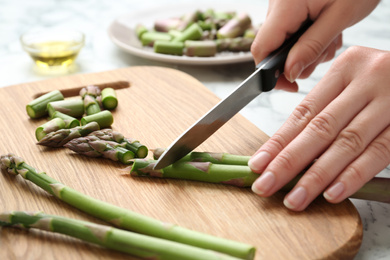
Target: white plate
(121, 31)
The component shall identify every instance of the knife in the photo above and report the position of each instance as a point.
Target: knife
(263, 79)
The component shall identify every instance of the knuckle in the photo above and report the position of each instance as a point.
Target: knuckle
(351, 140)
(324, 126)
(356, 174)
(277, 141)
(314, 48)
(317, 177)
(381, 148)
(286, 161)
(303, 113)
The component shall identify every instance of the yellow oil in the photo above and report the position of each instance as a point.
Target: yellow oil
(54, 53)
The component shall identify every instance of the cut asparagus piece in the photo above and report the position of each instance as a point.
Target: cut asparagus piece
(109, 237)
(70, 121)
(200, 48)
(71, 107)
(187, 20)
(140, 150)
(165, 25)
(103, 118)
(237, 175)
(216, 158)
(139, 30)
(235, 27)
(148, 38)
(173, 48)
(92, 146)
(109, 99)
(124, 218)
(38, 107)
(193, 32)
(48, 127)
(91, 106)
(60, 137)
(90, 90)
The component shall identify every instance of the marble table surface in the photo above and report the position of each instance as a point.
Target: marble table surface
(268, 112)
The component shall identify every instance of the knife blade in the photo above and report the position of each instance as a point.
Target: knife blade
(263, 79)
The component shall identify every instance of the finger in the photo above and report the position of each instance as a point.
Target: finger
(321, 95)
(349, 145)
(284, 84)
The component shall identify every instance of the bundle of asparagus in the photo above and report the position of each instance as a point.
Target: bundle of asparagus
(199, 33)
(122, 218)
(233, 170)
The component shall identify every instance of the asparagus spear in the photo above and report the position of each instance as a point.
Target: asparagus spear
(71, 107)
(38, 107)
(164, 25)
(90, 90)
(148, 38)
(139, 30)
(60, 137)
(123, 218)
(165, 47)
(193, 32)
(200, 48)
(70, 121)
(109, 237)
(91, 106)
(109, 100)
(235, 27)
(217, 158)
(377, 189)
(140, 150)
(92, 146)
(103, 118)
(48, 127)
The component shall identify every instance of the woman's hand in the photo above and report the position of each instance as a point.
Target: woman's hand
(344, 123)
(320, 41)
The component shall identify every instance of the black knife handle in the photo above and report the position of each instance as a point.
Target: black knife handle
(273, 65)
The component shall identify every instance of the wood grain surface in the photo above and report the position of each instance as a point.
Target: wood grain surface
(155, 106)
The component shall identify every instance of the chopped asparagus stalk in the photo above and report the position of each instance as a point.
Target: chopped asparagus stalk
(92, 146)
(103, 118)
(200, 48)
(38, 107)
(148, 38)
(175, 33)
(237, 175)
(90, 90)
(216, 158)
(139, 30)
(165, 25)
(193, 32)
(235, 27)
(109, 237)
(173, 48)
(109, 99)
(91, 106)
(123, 218)
(70, 121)
(140, 150)
(187, 20)
(240, 44)
(71, 107)
(48, 127)
(60, 137)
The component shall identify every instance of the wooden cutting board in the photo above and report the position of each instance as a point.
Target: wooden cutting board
(155, 106)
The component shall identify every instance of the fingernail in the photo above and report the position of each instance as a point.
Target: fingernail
(264, 183)
(334, 191)
(259, 161)
(295, 199)
(295, 72)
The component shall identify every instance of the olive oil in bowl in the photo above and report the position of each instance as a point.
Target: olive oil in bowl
(53, 51)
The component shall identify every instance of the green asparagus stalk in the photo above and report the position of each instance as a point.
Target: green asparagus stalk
(237, 175)
(38, 107)
(164, 25)
(200, 48)
(124, 218)
(165, 47)
(217, 158)
(70, 121)
(193, 32)
(109, 99)
(109, 237)
(377, 189)
(91, 106)
(148, 38)
(235, 27)
(240, 44)
(92, 146)
(139, 30)
(103, 118)
(140, 150)
(187, 20)
(71, 107)
(48, 127)
(60, 137)
(90, 90)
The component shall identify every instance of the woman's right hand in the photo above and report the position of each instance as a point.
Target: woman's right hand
(318, 44)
